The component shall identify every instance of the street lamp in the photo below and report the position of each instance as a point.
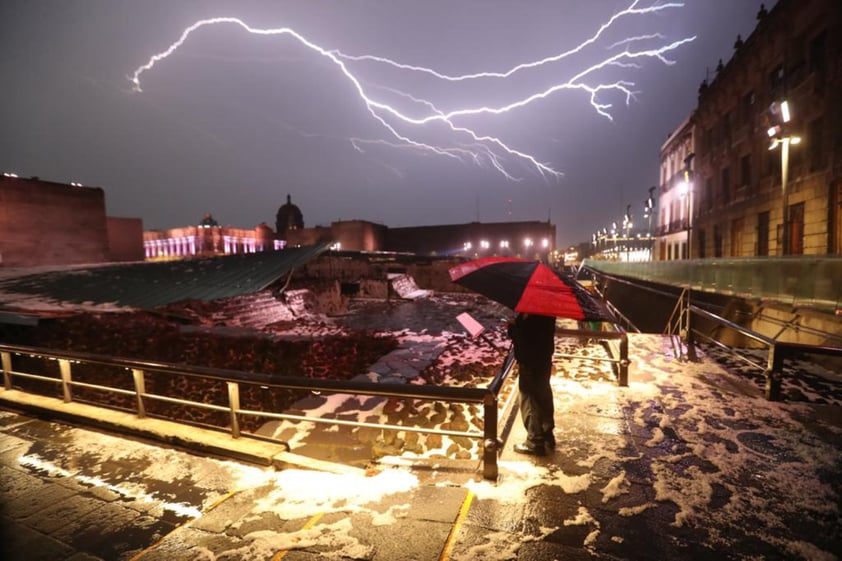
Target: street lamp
(780, 135)
(648, 210)
(627, 226)
(686, 190)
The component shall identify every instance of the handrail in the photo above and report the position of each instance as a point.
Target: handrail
(487, 396)
(778, 351)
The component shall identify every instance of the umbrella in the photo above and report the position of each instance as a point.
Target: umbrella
(530, 287)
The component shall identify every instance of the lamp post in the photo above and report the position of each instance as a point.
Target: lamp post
(780, 136)
(627, 225)
(648, 209)
(687, 190)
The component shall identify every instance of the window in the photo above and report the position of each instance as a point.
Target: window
(717, 241)
(817, 53)
(773, 164)
(725, 186)
(763, 234)
(745, 171)
(796, 229)
(736, 237)
(700, 246)
(748, 108)
(709, 193)
(776, 80)
(726, 129)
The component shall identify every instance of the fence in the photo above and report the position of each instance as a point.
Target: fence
(680, 326)
(132, 392)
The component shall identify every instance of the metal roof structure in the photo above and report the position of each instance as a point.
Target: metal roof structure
(150, 285)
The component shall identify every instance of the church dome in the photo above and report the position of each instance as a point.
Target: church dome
(289, 217)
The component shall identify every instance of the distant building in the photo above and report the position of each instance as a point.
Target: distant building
(289, 218)
(50, 223)
(525, 239)
(207, 239)
(740, 206)
(675, 194)
(533, 239)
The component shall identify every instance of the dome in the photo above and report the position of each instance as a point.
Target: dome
(208, 222)
(289, 218)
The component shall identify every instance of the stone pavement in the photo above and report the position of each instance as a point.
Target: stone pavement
(689, 462)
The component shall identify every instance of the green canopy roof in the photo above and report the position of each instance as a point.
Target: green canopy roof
(150, 285)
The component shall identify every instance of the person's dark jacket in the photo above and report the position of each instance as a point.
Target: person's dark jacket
(534, 340)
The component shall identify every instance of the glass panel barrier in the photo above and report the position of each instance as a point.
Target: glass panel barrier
(812, 281)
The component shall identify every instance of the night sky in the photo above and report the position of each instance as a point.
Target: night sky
(231, 122)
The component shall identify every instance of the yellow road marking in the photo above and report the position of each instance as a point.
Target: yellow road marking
(186, 523)
(457, 525)
(310, 523)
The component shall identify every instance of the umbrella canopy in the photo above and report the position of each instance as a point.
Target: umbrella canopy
(530, 287)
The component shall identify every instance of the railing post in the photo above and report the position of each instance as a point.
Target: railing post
(490, 444)
(234, 404)
(139, 390)
(774, 373)
(6, 361)
(623, 378)
(64, 367)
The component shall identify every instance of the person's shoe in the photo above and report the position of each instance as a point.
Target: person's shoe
(549, 439)
(531, 449)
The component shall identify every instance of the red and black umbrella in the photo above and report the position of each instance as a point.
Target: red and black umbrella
(530, 287)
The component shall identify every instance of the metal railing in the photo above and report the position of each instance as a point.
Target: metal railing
(617, 343)
(680, 326)
(135, 390)
(801, 281)
(778, 351)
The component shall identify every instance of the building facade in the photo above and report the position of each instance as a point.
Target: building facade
(742, 204)
(675, 194)
(51, 223)
(207, 239)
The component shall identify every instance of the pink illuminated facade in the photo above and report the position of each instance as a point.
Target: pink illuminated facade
(208, 239)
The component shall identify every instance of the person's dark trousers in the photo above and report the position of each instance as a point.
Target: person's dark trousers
(536, 403)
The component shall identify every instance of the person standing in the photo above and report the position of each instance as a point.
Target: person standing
(533, 338)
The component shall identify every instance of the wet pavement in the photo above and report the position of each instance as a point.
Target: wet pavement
(688, 462)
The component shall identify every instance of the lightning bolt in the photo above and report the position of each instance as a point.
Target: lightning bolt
(480, 148)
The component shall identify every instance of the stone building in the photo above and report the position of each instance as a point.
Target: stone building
(207, 239)
(288, 218)
(50, 223)
(675, 194)
(793, 55)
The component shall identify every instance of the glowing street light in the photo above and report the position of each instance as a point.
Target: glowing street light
(685, 191)
(780, 136)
